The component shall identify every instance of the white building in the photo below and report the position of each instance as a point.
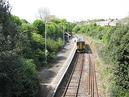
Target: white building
(108, 22)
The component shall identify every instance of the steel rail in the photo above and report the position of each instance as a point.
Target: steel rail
(80, 61)
(92, 85)
(70, 78)
(82, 64)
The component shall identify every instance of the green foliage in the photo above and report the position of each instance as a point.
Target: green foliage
(115, 52)
(22, 51)
(95, 31)
(38, 38)
(76, 29)
(40, 26)
(34, 46)
(16, 20)
(53, 47)
(25, 27)
(24, 21)
(56, 20)
(118, 51)
(37, 48)
(18, 77)
(52, 30)
(29, 79)
(69, 26)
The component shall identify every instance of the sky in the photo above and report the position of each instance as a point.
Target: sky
(72, 10)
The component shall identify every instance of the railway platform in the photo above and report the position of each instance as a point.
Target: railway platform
(52, 76)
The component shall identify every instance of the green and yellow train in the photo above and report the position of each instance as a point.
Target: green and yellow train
(81, 46)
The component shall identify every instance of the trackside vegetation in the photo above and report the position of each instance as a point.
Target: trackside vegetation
(22, 51)
(115, 51)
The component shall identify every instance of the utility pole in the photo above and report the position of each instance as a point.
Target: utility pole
(43, 14)
(63, 34)
(46, 40)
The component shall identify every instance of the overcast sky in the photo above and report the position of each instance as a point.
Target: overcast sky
(72, 10)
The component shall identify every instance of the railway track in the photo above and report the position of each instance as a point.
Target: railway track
(80, 80)
(92, 83)
(73, 85)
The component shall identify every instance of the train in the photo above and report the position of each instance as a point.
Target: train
(81, 46)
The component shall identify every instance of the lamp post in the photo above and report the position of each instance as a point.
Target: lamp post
(63, 34)
(43, 14)
(46, 41)
(1, 27)
(46, 51)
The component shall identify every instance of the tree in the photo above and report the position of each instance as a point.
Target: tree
(24, 21)
(16, 20)
(18, 76)
(40, 26)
